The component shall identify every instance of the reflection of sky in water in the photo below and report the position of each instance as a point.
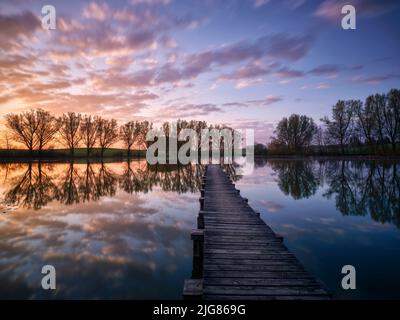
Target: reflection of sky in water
(121, 246)
(118, 233)
(320, 235)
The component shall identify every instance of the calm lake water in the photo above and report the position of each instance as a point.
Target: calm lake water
(122, 230)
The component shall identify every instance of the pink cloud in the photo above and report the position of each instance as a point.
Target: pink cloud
(287, 73)
(376, 79)
(182, 111)
(250, 70)
(150, 2)
(332, 69)
(97, 11)
(259, 3)
(13, 27)
(263, 129)
(268, 100)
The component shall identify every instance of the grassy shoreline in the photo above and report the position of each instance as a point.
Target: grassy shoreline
(65, 154)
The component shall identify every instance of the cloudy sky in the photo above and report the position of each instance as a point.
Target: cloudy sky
(246, 63)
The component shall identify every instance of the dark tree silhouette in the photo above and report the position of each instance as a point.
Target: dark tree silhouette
(107, 133)
(23, 128)
(48, 126)
(295, 132)
(296, 178)
(339, 129)
(88, 132)
(130, 133)
(366, 122)
(391, 117)
(69, 130)
(68, 192)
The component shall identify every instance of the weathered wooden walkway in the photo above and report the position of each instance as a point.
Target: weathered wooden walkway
(237, 256)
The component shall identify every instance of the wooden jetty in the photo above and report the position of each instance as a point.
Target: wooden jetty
(237, 256)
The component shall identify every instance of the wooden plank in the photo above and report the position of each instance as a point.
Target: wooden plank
(233, 212)
(243, 244)
(239, 225)
(255, 298)
(244, 227)
(254, 268)
(193, 288)
(235, 251)
(262, 282)
(273, 274)
(244, 220)
(242, 239)
(251, 256)
(243, 247)
(233, 219)
(241, 261)
(223, 232)
(267, 291)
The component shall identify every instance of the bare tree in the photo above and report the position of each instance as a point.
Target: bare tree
(6, 140)
(339, 128)
(88, 132)
(377, 102)
(107, 133)
(130, 134)
(23, 128)
(47, 128)
(69, 130)
(319, 138)
(366, 122)
(391, 117)
(145, 127)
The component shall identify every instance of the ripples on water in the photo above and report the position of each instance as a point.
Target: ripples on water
(122, 230)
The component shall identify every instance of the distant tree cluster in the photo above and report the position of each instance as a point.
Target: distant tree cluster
(295, 132)
(35, 129)
(374, 125)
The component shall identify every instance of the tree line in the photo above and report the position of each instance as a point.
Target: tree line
(372, 126)
(36, 129)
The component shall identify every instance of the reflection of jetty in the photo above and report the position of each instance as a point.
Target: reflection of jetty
(237, 256)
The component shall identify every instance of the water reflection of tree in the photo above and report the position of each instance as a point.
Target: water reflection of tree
(366, 188)
(386, 194)
(36, 186)
(232, 171)
(177, 178)
(87, 184)
(296, 178)
(106, 182)
(360, 188)
(349, 183)
(135, 180)
(68, 192)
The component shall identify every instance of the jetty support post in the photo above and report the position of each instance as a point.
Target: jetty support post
(197, 236)
(193, 288)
